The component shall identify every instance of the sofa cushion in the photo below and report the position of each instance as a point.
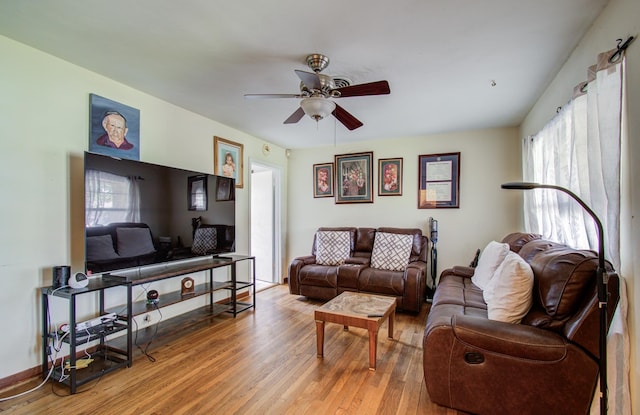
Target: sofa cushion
(492, 256)
(100, 248)
(134, 242)
(564, 277)
(391, 251)
(509, 293)
(332, 247)
(205, 240)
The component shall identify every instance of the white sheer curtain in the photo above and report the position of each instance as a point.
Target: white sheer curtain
(110, 198)
(580, 150)
(133, 208)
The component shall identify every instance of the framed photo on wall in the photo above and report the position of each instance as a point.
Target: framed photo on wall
(390, 177)
(227, 159)
(354, 174)
(197, 192)
(114, 128)
(224, 189)
(323, 180)
(439, 181)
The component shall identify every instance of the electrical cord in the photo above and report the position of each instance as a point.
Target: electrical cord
(155, 332)
(53, 366)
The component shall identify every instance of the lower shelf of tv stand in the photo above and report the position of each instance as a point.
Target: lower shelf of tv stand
(165, 331)
(105, 360)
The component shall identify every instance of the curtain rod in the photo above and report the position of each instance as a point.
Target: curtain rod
(621, 46)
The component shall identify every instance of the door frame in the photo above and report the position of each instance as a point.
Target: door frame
(276, 171)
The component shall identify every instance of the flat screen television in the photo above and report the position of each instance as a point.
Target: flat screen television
(138, 214)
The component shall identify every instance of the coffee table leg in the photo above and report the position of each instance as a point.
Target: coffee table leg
(392, 317)
(373, 346)
(320, 337)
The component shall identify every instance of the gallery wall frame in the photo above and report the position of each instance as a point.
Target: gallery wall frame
(228, 159)
(439, 181)
(323, 183)
(354, 176)
(114, 128)
(390, 177)
(224, 189)
(197, 192)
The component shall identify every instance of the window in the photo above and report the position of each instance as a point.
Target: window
(108, 198)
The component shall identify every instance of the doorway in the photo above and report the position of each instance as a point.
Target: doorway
(265, 216)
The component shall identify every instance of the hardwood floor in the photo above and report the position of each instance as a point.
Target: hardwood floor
(262, 362)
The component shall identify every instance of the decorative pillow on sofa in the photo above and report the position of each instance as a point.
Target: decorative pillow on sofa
(100, 248)
(332, 247)
(134, 242)
(489, 261)
(509, 293)
(205, 241)
(391, 251)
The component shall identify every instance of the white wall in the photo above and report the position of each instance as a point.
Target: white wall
(488, 158)
(618, 20)
(44, 113)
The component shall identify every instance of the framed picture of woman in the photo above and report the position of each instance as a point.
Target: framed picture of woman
(390, 177)
(323, 180)
(228, 159)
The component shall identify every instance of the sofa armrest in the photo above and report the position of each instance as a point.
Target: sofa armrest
(294, 271)
(463, 271)
(358, 261)
(514, 340)
(415, 285)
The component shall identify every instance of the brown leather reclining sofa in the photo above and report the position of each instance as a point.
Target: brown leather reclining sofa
(325, 282)
(547, 364)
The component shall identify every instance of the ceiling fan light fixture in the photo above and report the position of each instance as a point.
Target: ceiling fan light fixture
(317, 107)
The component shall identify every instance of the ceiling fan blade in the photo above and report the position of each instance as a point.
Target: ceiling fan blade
(260, 96)
(311, 80)
(371, 88)
(346, 118)
(295, 117)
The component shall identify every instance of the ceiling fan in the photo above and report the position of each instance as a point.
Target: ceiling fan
(317, 88)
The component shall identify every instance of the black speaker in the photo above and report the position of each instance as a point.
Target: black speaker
(60, 276)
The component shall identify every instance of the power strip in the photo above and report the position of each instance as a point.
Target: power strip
(107, 318)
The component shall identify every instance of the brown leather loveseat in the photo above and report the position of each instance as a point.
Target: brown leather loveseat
(546, 364)
(355, 273)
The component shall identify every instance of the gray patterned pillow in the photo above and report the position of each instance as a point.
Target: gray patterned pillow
(391, 251)
(332, 247)
(205, 241)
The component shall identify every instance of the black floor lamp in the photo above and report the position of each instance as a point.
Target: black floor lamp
(601, 277)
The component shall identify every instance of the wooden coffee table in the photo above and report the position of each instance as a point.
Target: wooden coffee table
(366, 311)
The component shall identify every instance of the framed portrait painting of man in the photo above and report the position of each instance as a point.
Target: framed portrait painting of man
(227, 159)
(354, 174)
(323, 180)
(114, 128)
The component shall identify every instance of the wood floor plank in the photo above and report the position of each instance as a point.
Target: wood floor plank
(262, 362)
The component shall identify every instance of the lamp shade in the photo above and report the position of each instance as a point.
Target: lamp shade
(317, 107)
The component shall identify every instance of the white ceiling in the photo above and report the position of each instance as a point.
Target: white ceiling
(439, 57)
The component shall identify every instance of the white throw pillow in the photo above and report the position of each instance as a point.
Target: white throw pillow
(391, 251)
(332, 247)
(509, 293)
(489, 261)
